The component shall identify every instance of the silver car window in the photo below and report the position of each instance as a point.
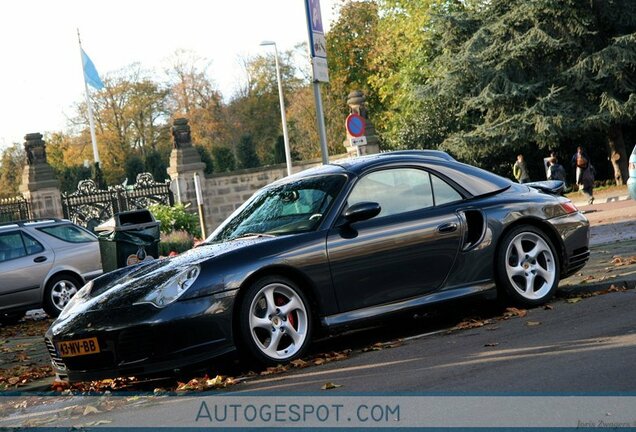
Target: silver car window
(68, 233)
(11, 246)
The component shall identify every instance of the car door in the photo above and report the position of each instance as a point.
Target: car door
(407, 250)
(24, 264)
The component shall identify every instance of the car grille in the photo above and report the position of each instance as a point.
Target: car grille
(55, 358)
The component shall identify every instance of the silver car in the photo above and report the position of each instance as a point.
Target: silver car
(43, 263)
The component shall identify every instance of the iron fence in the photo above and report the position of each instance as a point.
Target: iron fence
(89, 206)
(14, 209)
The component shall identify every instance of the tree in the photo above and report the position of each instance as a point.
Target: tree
(223, 159)
(246, 153)
(194, 95)
(538, 74)
(130, 119)
(12, 162)
(156, 164)
(134, 166)
(206, 158)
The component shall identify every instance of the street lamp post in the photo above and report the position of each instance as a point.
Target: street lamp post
(282, 108)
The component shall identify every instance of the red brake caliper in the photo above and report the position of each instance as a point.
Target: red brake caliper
(280, 301)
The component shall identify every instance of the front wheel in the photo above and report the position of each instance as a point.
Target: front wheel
(528, 266)
(275, 321)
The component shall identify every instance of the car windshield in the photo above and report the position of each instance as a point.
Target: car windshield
(293, 207)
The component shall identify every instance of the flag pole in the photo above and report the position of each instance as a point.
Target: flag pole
(91, 121)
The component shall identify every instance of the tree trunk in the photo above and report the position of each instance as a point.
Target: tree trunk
(617, 153)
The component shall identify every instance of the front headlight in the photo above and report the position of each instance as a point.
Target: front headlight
(169, 291)
(80, 297)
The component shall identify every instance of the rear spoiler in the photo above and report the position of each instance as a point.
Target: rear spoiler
(552, 187)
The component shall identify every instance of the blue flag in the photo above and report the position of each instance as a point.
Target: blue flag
(90, 73)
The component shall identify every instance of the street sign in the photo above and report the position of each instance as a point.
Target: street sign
(317, 41)
(355, 125)
(358, 141)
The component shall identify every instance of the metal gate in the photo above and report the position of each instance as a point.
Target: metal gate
(89, 206)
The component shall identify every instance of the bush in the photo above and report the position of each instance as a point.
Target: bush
(176, 218)
(176, 241)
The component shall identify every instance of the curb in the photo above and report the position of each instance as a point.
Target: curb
(602, 200)
(594, 287)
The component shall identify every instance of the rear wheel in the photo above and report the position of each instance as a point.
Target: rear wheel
(275, 321)
(528, 266)
(58, 293)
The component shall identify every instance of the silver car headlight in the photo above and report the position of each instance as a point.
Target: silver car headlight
(169, 291)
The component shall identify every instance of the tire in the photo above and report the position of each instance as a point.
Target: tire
(264, 320)
(528, 268)
(11, 318)
(59, 290)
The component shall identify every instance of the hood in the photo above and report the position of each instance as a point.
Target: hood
(124, 287)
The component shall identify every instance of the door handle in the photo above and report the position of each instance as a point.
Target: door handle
(39, 259)
(447, 228)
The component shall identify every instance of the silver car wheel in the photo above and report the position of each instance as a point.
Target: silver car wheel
(530, 265)
(278, 321)
(62, 292)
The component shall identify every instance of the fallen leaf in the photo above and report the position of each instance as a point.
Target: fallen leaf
(90, 409)
(330, 385)
(491, 344)
(533, 323)
(573, 300)
(548, 307)
(13, 380)
(514, 312)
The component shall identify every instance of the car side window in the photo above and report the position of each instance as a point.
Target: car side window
(32, 245)
(443, 192)
(68, 233)
(398, 190)
(11, 246)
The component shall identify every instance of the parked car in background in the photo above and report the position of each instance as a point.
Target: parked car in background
(631, 181)
(331, 247)
(43, 263)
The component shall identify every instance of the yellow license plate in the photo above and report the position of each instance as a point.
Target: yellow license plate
(78, 347)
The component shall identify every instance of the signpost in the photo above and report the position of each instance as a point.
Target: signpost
(320, 71)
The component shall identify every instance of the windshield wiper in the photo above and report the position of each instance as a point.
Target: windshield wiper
(258, 235)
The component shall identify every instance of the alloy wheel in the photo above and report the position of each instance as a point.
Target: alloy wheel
(62, 292)
(278, 321)
(530, 265)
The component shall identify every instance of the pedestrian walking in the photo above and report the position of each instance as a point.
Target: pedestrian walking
(587, 183)
(555, 170)
(580, 162)
(520, 170)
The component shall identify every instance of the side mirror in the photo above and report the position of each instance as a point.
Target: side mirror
(362, 211)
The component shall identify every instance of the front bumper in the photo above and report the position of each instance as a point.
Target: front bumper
(143, 340)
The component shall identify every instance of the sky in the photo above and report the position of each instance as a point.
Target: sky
(41, 75)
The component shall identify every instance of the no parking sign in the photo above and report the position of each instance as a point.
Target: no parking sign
(355, 125)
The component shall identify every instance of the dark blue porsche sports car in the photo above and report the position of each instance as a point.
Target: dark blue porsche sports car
(329, 247)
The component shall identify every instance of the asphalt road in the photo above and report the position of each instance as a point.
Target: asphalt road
(569, 348)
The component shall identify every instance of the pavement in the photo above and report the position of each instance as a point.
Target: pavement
(613, 243)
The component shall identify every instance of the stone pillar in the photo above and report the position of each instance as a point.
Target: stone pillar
(184, 163)
(39, 184)
(356, 100)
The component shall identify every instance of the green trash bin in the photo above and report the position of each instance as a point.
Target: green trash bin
(127, 239)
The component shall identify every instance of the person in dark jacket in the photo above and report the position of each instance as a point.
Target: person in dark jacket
(555, 170)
